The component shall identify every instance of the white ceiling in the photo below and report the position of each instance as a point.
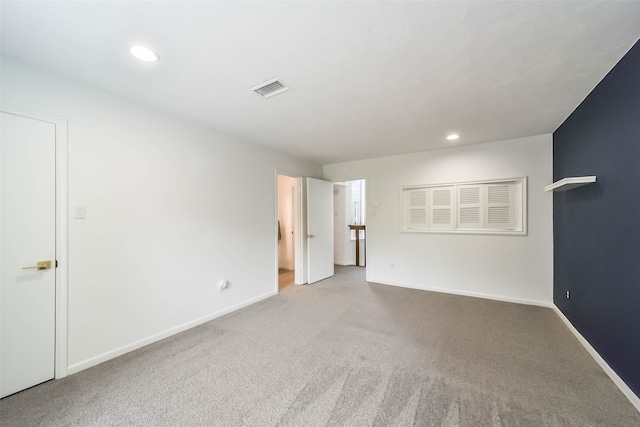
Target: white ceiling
(368, 79)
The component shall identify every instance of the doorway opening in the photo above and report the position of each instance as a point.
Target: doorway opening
(289, 221)
(349, 204)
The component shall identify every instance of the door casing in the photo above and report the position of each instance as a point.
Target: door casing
(61, 272)
(298, 226)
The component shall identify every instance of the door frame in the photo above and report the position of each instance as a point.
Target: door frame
(365, 207)
(298, 227)
(61, 213)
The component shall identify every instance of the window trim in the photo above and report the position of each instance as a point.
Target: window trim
(519, 205)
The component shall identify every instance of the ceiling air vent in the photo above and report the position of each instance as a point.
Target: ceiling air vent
(270, 88)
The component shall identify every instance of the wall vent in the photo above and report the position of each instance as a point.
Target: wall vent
(270, 88)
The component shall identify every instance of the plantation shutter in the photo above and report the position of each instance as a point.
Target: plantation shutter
(473, 207)
(442, 207)
(500, 209)
(417, 212)
(470, 212)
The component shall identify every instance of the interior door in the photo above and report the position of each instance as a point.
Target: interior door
(27, 223)
(319, 229)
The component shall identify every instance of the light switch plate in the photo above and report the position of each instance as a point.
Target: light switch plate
(81, 212)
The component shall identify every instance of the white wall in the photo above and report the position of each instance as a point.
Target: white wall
(517, 268)
(286, 187)
(172, 207)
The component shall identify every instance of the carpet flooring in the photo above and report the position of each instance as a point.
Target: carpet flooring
(344, 352)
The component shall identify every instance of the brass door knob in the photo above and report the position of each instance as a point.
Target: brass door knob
(42, 265)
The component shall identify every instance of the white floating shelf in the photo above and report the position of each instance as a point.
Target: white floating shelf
(570, 183)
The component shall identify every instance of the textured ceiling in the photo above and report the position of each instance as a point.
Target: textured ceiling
(368, 79)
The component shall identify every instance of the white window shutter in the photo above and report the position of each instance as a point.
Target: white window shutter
(442, 207)
(417, 208)
(500, 206)
(470, 211)
(482, 207)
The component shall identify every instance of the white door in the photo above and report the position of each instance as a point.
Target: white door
(319, 229)
(27, 222)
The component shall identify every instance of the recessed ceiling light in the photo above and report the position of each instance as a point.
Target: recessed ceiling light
(144, 53)
(453, 137)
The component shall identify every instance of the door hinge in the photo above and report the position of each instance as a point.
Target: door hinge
(56, 263)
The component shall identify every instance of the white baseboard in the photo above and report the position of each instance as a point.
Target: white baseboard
(466, 293)
(77, 367)
(624, 388)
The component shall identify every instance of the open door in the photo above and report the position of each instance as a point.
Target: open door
(319, 229)
(28, 285)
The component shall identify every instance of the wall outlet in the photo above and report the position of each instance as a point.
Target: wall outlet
(222, 285)
(568, 295)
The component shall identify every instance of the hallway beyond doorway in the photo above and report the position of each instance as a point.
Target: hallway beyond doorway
(285, 279)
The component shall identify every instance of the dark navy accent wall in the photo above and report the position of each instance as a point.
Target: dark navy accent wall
(596, 228)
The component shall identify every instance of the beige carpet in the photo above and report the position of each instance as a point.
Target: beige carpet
(344, 352)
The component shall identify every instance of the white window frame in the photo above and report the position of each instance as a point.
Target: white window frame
(515, 222)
